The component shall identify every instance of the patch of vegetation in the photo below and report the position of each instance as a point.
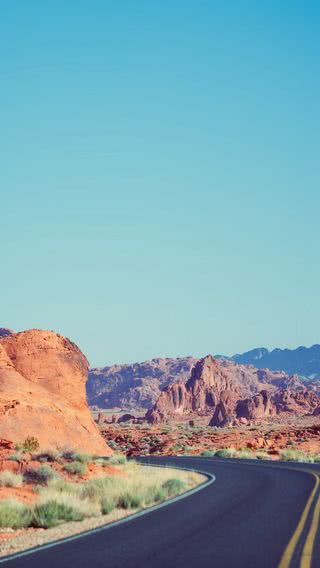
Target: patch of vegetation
(14, 515)
(47, 456)
(17, 456)
(62, 501)
(40, 476)
(118, 459)
(76, 468)
(173, 486)
(207, 454)
(263, 456)
(30, 444)
(129, 500)
(226, 453)
(295, 456)
(245, 454)
(107, 505)
(10, 479)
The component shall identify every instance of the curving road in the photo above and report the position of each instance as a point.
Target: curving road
(255, 515)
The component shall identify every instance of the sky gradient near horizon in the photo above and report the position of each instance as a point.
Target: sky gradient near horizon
(160, 174)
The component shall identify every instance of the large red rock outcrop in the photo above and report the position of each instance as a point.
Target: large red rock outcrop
(42, 392)
(208, 385)
(230, 393)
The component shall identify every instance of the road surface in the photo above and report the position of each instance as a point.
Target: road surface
(254, 515)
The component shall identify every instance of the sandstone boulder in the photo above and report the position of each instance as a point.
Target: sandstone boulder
(42, 392)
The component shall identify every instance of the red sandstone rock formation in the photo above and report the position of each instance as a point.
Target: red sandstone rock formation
(42, 392)
(209, 384)
(233, 394)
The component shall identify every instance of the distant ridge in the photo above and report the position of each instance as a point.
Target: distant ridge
(304, 361)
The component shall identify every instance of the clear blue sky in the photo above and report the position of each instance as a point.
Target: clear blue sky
(159, 174)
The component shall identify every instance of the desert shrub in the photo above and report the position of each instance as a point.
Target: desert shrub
(102, 461)
(55, 508)
(112, 444)
(14, 515)
(129, 500)
(46, 456)
(107, 505)
(9, 479)
(173, 486)
(17, 456)
(68, 453)
(154, 494)
(83, 458)
(96, 489)
(30, 444)
(245, 454)
(118, 459)
(263, 456)
(52, 513)
(75, 467)
(226, 453)
(295, 455)
(41, 475)
(207, 454)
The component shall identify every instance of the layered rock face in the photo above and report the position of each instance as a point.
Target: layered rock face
(42, 392)
(231, 394)
(137, 385)
(208, 385)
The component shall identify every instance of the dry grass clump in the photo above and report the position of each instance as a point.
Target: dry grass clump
(10, 479)
(14, 515)
(61, 501)
(76, 467)
(295, 456)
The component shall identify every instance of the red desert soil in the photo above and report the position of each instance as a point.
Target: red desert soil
(42, 392)
(178, 439)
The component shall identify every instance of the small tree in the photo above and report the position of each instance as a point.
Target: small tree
(31, 444)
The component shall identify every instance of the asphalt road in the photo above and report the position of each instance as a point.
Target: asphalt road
(255, 515)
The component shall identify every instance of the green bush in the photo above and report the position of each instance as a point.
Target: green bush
(76, 468)
(226, 453)
(263, 456)
(245, 454)
(295, 456)
(53, 512)
(107, 505)
(173, 486)
(129, 500)
(17, 456)
(207, 454)
(40, 476)
(83, 458)
(9, 479)
(118, 459)
(14, 515)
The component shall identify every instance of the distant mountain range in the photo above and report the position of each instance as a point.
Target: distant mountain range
(303, 361)
(138, 385)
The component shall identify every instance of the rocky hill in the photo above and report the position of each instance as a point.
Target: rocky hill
(42, 392)
(303, 361)
(135, 386)
(230, 394)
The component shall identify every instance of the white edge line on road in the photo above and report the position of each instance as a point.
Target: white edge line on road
(210, 479)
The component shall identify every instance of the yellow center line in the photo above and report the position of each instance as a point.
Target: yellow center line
(289, 551)
(306, 558)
